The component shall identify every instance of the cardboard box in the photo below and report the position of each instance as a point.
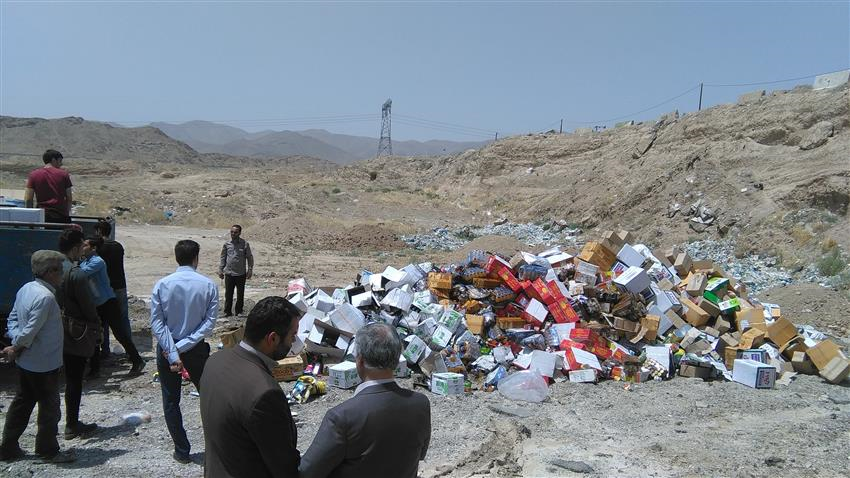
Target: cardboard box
(343, 375)
(587, 375)
(730, 354)
(626, 325)
(441, 337)
(486, 282)
(415, 350)
(475, 323)
(578, 359)
(752, 338)
(439, 280)
(801, 363)
(836, 371)
(630, 257)
(781, 331)
(682, 264)
(753, 374)
(505, 323)
(695, 371)
(822, 353)
(634, 279)
(509, 279)
(757, 355)
(722, 326)
(401, 370)
(694, 314)
(535, 313)
(596, 253)
(447, 383)
(451, 319)
(325, 339)
(232, 336)
(289, 368)
(348, 318)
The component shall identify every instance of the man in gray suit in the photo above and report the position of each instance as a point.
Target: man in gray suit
(248, 428)
(383, 430)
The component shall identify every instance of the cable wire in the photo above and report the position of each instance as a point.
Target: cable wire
(774, 81)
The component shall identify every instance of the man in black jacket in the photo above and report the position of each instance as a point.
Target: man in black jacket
(383, 430)
(248, 428)
(74, 296)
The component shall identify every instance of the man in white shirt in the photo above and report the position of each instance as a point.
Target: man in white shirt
(35, 327)
(184, 306)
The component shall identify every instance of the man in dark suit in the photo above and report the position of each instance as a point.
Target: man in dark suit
(248, 429)
(383, 430)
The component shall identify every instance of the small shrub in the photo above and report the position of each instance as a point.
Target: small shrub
(832, 263)
(373, 175)
(335, 190)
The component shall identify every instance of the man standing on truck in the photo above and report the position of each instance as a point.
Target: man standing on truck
(51, 186)
(235, 253)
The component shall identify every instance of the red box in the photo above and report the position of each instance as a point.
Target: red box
(522, 300)
(543, 291)
(509, 279)
(494, 263)
(602, 352)
(555, 291)
(563, 312)
(586, 336)
(567, 343)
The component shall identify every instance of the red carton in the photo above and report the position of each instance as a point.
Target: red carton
(555, 291)
(563, 312)
(509, 279)
(567, 343)
(543, 291)
(494, 263)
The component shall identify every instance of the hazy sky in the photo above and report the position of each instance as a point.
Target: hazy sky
(509, 67)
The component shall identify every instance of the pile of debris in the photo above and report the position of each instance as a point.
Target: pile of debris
(616, 311)
(450, 239)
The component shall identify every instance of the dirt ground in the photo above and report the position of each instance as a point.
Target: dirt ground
(682, 427)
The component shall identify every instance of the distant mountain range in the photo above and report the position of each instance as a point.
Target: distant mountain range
(208, 137)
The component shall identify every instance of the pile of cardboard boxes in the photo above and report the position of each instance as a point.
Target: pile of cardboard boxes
(617, 310)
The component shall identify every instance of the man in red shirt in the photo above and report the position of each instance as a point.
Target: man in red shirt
(52, 188)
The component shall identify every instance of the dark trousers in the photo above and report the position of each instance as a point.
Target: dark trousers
(193, 360)
(110, 316)
(54, 216)
(74, 368)
(231, 282)
(34, 388)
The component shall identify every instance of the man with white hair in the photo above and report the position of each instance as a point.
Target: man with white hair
(383, 430)
(35, 327)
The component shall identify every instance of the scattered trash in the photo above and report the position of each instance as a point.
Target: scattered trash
(615, 311)
(136, 418)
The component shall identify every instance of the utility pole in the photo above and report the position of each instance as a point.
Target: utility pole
(561, 129)
(385, 144)
(699, 108)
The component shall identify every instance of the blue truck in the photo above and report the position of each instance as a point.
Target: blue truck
(18, 241)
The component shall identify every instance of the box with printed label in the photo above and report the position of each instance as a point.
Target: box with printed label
(587, 375)
(289, 368)
(753, 374)
(447, 383)
(343, 375)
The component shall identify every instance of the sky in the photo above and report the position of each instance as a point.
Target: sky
(456, 71)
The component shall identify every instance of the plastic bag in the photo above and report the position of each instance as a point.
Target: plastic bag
(527, 386)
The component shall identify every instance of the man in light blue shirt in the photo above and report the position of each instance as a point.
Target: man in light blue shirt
(35, 327)
(184, 306)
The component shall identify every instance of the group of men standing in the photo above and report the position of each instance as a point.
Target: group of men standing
(59, 319)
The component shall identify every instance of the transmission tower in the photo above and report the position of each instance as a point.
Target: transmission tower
(385, 144)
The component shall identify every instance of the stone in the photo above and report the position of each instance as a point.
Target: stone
(644, 144)
(574, 466)
(817, 135)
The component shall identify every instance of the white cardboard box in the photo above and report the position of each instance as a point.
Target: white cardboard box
(415, 349)
(447, 383)
(343, 375)
(441, 337)
(587, 375)
(753, 374)
(630, 257)
(634, 279)
(401, 369)
(348, 318)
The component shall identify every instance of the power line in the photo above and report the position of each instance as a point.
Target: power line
(636, 112)
(775, 81)
(488, 131)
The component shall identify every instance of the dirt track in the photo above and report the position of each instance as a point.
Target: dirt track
(683, 427)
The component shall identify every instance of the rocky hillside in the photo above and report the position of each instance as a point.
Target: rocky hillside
(772, 171)
(78, 138)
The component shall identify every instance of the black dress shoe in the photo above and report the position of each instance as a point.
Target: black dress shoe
(12, 454)
(79, 430)
(137, 368)
(181, 458)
